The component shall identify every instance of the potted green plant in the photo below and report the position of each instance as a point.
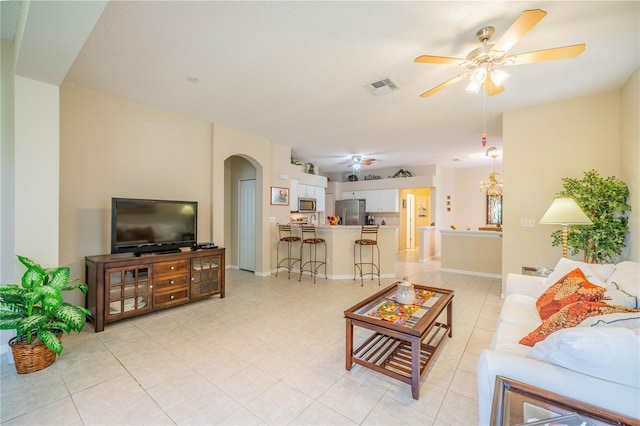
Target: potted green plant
(36, 310)
(402, 173)
(605, 201)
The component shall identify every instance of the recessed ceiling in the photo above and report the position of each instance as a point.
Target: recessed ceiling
(293, 72)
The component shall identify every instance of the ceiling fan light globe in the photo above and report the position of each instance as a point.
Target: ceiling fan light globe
(356, 166)
(473, 86)
(479, 75)
(498, 77)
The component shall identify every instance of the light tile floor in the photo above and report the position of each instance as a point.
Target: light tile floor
(271, 352)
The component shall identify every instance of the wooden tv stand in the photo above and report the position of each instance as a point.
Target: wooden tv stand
(123, 286)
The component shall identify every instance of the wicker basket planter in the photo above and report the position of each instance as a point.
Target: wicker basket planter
(31, 357)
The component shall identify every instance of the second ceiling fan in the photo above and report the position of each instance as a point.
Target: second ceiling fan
(357, 161)
(481, 62)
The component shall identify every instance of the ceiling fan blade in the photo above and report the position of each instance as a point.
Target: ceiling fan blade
(491, 88)
(553, 54)
(443, 85)
(427, 59)
(527, 20)
(368, 161)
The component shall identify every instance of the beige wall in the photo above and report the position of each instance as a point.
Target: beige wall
(630, 158)
(270, 160)
(36, 171)
(112, 147)
(544, 143)
(7, 169)
(471, 203)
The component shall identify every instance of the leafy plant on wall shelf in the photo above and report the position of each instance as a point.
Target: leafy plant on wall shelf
(402, 173)
(296, 162)
(604, 200)
(36, 310)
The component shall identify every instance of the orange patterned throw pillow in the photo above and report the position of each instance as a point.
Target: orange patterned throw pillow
(571, 288)
(570, 316)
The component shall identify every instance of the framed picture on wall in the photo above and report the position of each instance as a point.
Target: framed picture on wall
(279, 196)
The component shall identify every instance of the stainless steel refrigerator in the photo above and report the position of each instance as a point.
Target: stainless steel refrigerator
(351, 211)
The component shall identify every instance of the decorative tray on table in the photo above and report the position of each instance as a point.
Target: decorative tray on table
(397, 313)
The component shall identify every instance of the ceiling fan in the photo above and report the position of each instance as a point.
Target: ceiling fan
(481, 62)
(357, 161)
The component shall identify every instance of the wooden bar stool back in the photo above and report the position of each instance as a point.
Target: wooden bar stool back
(286, 237)
(368, 238)
(310, 240)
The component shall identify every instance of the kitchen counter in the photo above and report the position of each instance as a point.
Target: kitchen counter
(340, 241)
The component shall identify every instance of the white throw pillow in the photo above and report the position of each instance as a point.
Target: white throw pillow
(610, 353)
(624, 320)
(615, 296)
(627, 277)
(595, 273)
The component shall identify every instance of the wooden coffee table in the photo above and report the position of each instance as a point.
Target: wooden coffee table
(401, 346)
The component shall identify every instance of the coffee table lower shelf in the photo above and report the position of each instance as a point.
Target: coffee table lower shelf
(393, 357)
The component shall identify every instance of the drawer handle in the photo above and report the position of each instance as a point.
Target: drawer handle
(173, 296)
(173, 282)
(193, 279)
(172, 268)
(150, 286)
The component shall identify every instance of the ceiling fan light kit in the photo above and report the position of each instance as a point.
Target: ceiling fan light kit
(357, 161)
(482, 61)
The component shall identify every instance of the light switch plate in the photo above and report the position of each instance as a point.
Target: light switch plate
(527, 223)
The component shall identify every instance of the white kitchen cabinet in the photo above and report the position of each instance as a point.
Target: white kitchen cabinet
(306, 191)
(320, 201)
(377, 200)
(293, 195)
(384, 201)
(358, 195)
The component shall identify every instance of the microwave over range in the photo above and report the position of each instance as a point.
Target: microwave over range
(306, 205)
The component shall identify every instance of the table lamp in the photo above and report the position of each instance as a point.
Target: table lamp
(565, 212)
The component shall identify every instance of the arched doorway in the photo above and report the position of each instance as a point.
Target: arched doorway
(243, 230)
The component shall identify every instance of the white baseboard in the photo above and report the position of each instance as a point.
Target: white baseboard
(480, 274)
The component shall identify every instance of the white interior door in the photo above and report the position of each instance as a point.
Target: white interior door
(411, 221)
(247, 225)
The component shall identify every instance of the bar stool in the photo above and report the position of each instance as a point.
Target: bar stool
(368, 238)
(309, 238)
(286, 237)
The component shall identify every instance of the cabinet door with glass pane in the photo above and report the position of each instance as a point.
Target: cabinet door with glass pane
(206, 275)
(127, 291)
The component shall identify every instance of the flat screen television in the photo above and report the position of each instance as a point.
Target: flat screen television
(145, 226)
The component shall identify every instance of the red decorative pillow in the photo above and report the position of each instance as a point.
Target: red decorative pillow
(570, 316)
(571, 288)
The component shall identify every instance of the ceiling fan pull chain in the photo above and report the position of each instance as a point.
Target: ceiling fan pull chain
(484, 119)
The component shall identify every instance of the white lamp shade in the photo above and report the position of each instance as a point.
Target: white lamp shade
(565, 211)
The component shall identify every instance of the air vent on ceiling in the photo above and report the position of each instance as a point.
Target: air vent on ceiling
(381, 87)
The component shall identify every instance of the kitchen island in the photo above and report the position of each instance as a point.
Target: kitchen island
(472, 252)
(340, 240)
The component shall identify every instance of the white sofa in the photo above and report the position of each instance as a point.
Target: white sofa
(597, 362)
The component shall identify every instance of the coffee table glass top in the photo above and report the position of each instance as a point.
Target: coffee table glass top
(384, 307)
